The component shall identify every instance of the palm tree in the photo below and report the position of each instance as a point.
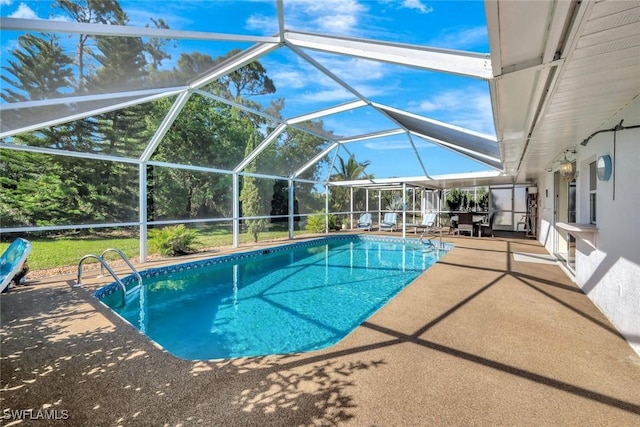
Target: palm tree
(347, 171)
(351, 170)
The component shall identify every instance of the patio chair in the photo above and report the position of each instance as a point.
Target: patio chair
(389, 221)
(11, 262)
(465, 223)
(453, 223)
(364, 222)
(487, 228)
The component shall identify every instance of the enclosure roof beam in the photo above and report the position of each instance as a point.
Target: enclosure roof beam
(67, 153)
(468, 64)
(315, 159)
(162, 130)
(415, 150)
(97, 29)
(327, 72)
(328, 111)
(89, 98)
(373, 135)
(89, 113)
(239, 106)
(237, 61)
(260, 148)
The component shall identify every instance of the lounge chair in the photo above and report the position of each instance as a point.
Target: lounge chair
(364, 222)
(428, 223)
(389, 221)
(12, 260)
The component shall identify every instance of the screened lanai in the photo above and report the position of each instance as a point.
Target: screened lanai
(134, 115)
(159, 120)
(121, 118)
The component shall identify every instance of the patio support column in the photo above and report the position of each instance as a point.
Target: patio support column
(404, 210)
(351, 206)
(366, 199)
(236, 210)
(413, 207)
(326, 208)
(142, 206)
(379, 206)
(292, 210)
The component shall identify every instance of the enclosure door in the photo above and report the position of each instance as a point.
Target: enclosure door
(510, 207)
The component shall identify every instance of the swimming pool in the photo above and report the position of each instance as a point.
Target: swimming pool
(288, 299)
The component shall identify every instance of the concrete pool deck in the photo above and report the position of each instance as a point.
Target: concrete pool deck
(481, 338)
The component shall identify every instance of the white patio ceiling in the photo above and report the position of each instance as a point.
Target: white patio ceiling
(561, 70)
(557, 72)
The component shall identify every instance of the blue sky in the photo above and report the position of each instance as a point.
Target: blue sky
(453, 25)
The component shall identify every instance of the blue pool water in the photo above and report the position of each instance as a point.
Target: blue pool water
(292, 299)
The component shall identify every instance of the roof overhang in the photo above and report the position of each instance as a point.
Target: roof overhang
(561, 70)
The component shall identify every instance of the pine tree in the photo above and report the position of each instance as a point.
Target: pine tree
(251, 196)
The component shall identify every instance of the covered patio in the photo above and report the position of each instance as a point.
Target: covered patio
(493, 334)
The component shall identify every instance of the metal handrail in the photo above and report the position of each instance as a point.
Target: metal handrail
(430, 242)
(125, 259)
(105, 265)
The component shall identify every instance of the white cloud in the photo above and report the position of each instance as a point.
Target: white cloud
(418, 5)
(339, 24)
(288, 78)
(468, 107)
(6, 2)
(443, 101)
(266, 25)
(310, 85)
(454, 99)
(328, 7)
(336, 16)
(461, 38)
(341, 17)
(315, 86)
(329, 95)
(24, 12)
(354, 70)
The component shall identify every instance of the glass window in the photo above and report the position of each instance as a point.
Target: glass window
(593, 183)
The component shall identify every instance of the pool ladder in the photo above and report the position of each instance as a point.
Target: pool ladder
(104, 265)
(428, 245)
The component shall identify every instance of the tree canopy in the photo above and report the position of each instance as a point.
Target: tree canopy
(45, 189)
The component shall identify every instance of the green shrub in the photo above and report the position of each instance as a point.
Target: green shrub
(333, 223)
(316, 223)
(174, 240)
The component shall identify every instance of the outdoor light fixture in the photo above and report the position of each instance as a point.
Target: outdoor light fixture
(603, 168)
(567, 170)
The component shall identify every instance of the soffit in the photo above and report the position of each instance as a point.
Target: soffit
(584, 75)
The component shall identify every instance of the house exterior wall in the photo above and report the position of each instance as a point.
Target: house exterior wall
(607, 268)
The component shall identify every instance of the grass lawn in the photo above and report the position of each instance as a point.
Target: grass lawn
(65, 251)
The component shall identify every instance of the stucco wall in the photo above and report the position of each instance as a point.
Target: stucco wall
(609, 270)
